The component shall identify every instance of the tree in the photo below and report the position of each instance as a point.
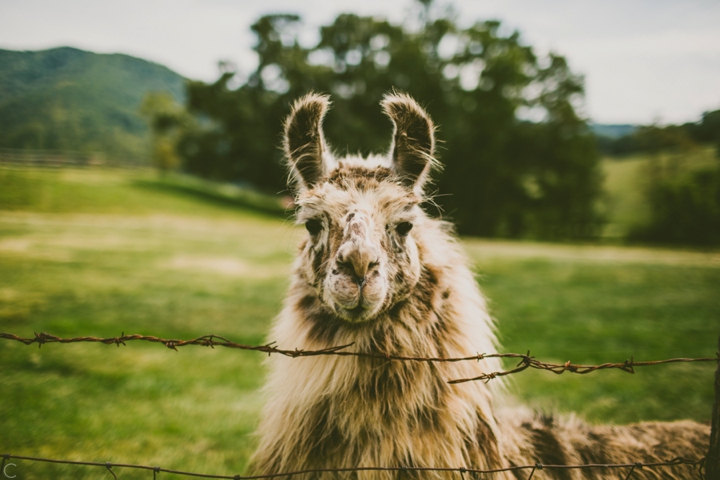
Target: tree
(519, 160)
(684, 208)
(169, 122)
(709, 130)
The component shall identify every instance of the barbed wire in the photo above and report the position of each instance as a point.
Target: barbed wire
(526, 361)
(699, 464)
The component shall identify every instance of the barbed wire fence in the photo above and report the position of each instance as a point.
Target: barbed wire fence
(525, 360)
(631, 467)
(707, 467)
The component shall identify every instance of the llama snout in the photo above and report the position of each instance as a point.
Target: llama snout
(359, 262)
(356, 286)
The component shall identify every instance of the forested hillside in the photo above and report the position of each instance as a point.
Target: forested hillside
(70, 99)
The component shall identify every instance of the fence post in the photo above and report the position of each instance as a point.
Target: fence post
(712, 461)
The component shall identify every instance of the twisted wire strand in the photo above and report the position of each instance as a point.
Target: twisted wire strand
(526, 361)
(462, 470)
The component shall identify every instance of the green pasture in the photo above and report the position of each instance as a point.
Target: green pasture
(101, 252)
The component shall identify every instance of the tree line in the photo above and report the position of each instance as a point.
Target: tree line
(655, 138)
(519, 160)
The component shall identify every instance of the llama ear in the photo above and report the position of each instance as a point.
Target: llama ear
(413, 143)
(304, 141)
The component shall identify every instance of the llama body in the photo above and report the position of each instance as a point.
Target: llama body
(376, 272)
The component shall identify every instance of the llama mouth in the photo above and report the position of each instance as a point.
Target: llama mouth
(359, 313)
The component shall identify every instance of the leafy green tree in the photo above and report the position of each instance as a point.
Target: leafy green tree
(519, 160)
(708, 130)
(169, 123)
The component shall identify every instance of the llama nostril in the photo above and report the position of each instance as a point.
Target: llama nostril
(357, 263)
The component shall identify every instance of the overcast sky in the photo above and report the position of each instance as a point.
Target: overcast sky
(643, 60)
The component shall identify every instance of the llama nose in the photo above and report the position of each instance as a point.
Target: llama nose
(358, 262)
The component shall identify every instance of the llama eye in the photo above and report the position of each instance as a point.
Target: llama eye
(313, 226)
(403, 228)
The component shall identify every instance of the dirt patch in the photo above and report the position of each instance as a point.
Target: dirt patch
(227, 266)
(15, 244)
(27, 248)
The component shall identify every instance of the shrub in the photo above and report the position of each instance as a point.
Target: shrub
(684, 209)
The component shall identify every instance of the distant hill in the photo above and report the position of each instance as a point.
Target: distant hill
(70, 99)
(612, 130)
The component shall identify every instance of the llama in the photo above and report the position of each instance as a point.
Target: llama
(376, 272)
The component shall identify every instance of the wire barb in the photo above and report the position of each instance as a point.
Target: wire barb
(109, 465)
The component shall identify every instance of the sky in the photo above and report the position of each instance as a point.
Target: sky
(643, 61)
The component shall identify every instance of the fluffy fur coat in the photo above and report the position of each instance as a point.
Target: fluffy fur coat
(375, 271)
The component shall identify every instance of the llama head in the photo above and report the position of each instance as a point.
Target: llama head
(362, 215)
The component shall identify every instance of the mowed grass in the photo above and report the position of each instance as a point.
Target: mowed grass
(599, 304)
(102, 252)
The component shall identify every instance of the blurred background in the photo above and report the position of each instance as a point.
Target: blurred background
(142, 191)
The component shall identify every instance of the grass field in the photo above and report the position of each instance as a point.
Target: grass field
(101, 252)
